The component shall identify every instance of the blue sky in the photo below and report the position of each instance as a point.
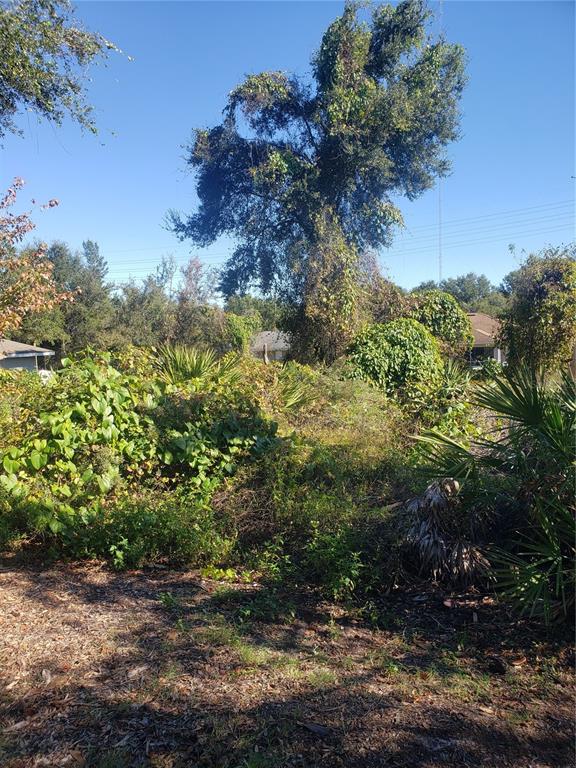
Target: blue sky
(512, 178)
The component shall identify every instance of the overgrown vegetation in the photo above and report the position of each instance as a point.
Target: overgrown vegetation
(105, 450)
(539, 325)
(321, 558)
(517, 494)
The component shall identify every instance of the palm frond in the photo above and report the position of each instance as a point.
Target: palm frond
(519, 394)
(180, 364)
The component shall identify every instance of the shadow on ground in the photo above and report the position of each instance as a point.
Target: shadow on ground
(166, 669)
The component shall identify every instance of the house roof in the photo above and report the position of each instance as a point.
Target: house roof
(485, 329)
(9, 348)
(274, 340)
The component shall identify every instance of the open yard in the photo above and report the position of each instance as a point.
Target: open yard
(167, 669)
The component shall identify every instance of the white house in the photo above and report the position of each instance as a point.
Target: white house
(270, 345)
(17, 356)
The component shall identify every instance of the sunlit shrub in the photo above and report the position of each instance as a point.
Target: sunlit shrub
(401, 357)
(445, 319)
(525, 468)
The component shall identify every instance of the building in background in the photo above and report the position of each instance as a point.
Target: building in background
(270, 345)
(17, 356)
(485, 330)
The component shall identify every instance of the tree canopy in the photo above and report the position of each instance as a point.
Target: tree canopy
(26, 281)
(539, 326)
(43, 57)
(302, 171)
(445, 319)
(474, 292)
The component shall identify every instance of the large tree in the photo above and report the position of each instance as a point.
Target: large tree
(44, 53)
(302, 172)
(89, 321)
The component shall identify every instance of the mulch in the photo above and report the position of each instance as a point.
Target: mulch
(150, 668)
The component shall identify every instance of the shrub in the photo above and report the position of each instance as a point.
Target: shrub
(198, 368)
(539, 326)
(107, 432)
(241, 328)
(450, 410)
(324, 496)
(445, 319)
(443, 534)
(151, 525)
(331, 560)
(525, 468)
(401, 357)
(22, 393)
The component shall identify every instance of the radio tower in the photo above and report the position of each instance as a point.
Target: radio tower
(441, 25)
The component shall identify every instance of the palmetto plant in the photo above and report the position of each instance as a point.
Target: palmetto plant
(180, 364)
(296, 384)
(530, 458)
(442, 533)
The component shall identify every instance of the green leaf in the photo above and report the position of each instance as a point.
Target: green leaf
(38, 460)
(10, 465)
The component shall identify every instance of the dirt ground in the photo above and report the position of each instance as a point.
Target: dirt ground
(167, 669)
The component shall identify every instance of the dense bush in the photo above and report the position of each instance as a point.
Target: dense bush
(325, 499)
(108, 432)
(445, 319)
(522, 476)
(401, 357)
(539, 324)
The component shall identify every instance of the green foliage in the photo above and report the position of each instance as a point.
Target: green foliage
(43, 62)
(444, 318)
(73, 457)
(21, 394)
(329, 557)
(104, 431)
(270, 310)
(302, 171)
(401, 357)
(450, 410)
(539, 326)
(146, 313)
(315, 510)
(297, 385)
(91, 319)
(473, 292)
(240, 329)
(526, 468)
(489, 369)
(151, 525)
(196, 367)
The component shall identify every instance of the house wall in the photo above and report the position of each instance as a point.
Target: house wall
(15, 363)
(477, 354)
(273, 354)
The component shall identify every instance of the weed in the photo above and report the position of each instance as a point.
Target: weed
(322, 678)
(219, 574)
(169, 601)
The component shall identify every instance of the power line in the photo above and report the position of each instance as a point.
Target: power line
(553, 222)
(559, 203)
(173, 246)
(552, 218)
(465, 243)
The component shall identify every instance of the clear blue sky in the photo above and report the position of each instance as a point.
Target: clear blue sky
(512, 169)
